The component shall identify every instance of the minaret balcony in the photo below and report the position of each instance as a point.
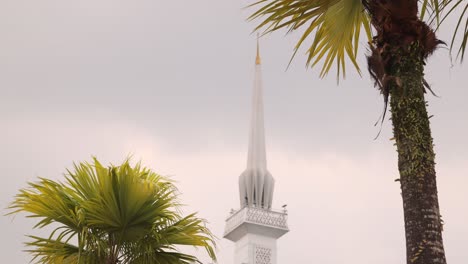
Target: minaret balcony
(256, 220)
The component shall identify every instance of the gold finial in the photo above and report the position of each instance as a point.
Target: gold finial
(257, 59)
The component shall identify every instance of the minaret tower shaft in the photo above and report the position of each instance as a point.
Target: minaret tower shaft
(256, 227)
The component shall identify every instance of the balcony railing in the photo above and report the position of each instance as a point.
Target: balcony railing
(257, 215)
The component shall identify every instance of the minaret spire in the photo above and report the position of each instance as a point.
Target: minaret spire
(257, 153)
(256, 184)
(257, 59)
(255, 227)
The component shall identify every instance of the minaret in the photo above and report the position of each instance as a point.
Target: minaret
(255, 227)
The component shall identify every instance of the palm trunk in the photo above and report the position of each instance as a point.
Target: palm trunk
(423, 224)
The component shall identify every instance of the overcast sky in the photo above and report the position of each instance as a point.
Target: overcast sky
(170, 83)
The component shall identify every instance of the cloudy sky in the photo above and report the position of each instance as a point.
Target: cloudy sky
(169, 82)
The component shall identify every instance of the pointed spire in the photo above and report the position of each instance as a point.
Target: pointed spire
(257, 153)
(256, 185)
(257, 59)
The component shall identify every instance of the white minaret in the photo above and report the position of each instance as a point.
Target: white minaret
(255, 227)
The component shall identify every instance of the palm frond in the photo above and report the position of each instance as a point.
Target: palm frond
(161, 244)
(47, 250)
(335, 23)
(440, 11)
(47, 199)
(461, 28)
(434, 8)
(125, 212)
(190, 231)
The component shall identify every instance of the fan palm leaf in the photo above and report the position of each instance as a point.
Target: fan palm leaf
(333, 25)
(118, 214)
(331, 29)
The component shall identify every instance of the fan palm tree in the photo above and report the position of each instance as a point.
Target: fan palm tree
(400, 41)
(118, 214)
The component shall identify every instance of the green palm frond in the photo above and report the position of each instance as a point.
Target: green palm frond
(336, 24)
(55, 251)
(434, 8)
(188, 231)
(461, 29)
(125, 214)
(46, 199)
(440, 10)
(128, 203)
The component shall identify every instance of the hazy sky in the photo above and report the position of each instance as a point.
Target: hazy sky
(170, 82)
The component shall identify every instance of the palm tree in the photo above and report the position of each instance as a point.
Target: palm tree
(118, 214)
(400, 42)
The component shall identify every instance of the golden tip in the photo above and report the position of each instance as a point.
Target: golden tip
(257, 59)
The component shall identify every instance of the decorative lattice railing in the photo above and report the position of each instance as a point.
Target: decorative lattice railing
(257, 215)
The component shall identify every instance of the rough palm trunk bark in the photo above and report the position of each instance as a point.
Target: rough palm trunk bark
(423, 224)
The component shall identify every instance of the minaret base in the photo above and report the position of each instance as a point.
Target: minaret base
(255, 249)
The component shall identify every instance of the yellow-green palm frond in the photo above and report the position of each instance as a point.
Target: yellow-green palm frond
(160, 245)
(190, 231)
(333, 25)
(113, 213)
(127, 202)
(47, 199)
(46, 250)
